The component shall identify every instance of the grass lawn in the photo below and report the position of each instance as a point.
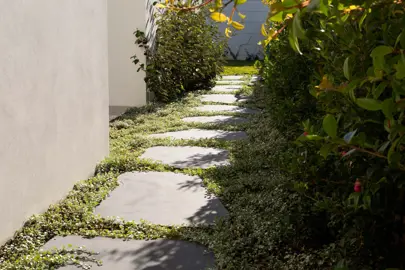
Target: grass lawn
(236, 67)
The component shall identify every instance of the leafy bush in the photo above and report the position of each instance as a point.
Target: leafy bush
(349, 160)
(188, 54)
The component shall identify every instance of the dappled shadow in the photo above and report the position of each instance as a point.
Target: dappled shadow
(204, 161)
(208, 213)
(138, 254)
(196, 134)
(216, 120)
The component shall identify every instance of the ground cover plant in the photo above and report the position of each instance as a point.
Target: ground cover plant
(349, 55)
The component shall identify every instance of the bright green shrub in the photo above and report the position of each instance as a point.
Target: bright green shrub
(188, 54)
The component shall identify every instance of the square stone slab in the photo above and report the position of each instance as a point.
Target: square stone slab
(231, 77)
(222, 98)
(230, 82)
(195, 134)
(225, 108)
(188, 156)
(218, 119)
(164, 198)
(117, 254)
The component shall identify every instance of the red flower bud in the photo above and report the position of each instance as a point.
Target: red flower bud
(357, 186)
(305, 133)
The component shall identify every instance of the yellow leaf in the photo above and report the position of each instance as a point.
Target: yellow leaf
(218, 17)
(325, 84)
(242, 16)
(159, 5)
(238, 26)
(264, 31)
(228, 32)
(289, 16)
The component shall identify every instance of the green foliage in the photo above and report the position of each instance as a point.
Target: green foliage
(354, 59)
(187, 55)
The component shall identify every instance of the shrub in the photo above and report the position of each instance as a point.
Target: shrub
(188, 54)
(350, 158)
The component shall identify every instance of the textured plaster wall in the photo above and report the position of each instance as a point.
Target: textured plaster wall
(127, 87)
(53, 102)
(247, 39)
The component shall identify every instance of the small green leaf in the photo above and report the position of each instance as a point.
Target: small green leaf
(297, 27)
(293, 40)
(388, 107)
(330, 125)
(363, 17)
(379, 90)
(383, 147)
(346, 69)
(325, 150)
(400, 67)
(313, 137)
(289, 3)
(277, 17)
(402, 40)
(381, 51)
(369, 104)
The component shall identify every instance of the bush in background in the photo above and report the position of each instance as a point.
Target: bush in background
(188, 54)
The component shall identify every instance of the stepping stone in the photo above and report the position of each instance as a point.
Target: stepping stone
(163, 198)
(188, 156)
(196, 134)
(219, 119)
(136, 254)
(226, 88)
(225, 108)
(222, 98)
(230, 82)
(231, 77)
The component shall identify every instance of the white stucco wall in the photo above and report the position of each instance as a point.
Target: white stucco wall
(248, 38)
(127, 87)
(53, 102)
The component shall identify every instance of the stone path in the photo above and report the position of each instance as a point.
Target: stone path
(195, 134)
(225, 108)
(226, 88)
(168, 198)
(222, 98)
(218, 119)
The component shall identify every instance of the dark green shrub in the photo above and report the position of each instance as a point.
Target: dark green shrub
(287, 76)
(188, 54)
(353, 64)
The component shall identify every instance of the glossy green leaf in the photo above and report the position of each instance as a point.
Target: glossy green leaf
(400, 67)
(369, 104)
(402, 40)
(293, 40)
(388, 107)
(277, 17)
(346, 68)
(297, 27)
(379, 90)
(381, 51)
(325, 150)
(289, 3)
(330, 125)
